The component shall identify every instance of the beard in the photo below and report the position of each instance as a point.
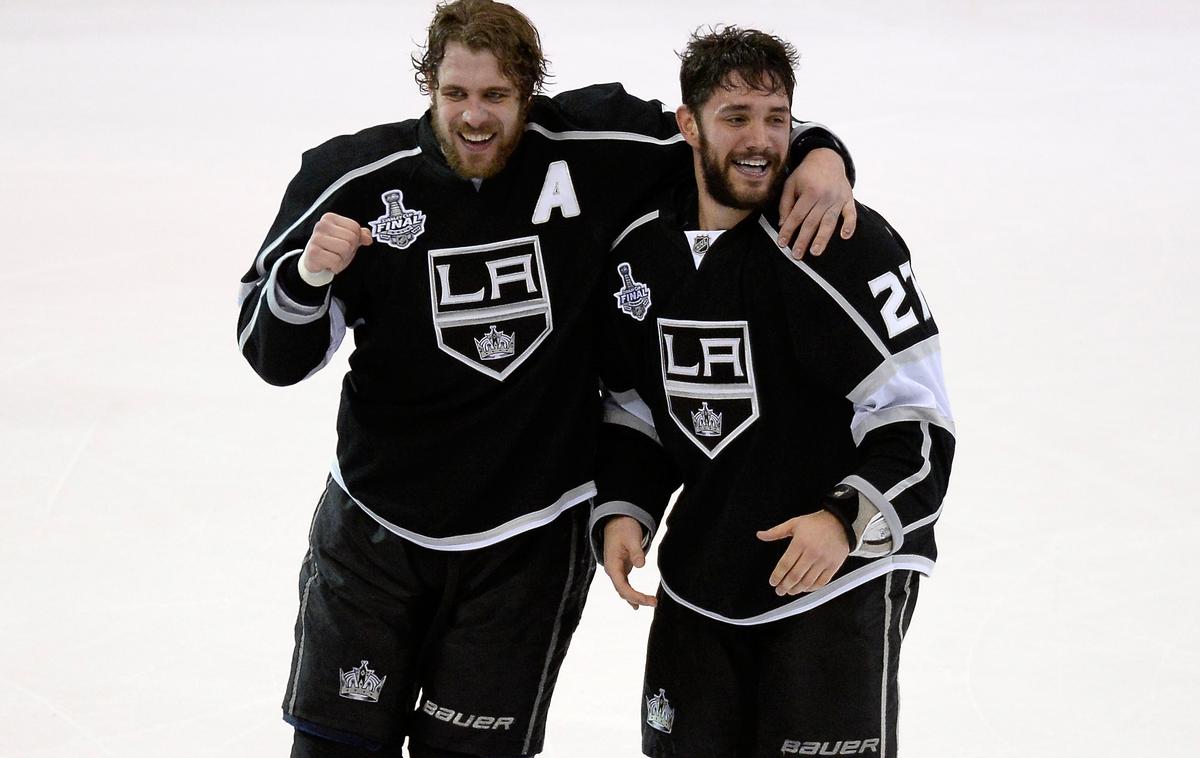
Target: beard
(719, 176)
(477, 166)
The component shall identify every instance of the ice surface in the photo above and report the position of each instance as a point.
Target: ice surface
(1038, 157)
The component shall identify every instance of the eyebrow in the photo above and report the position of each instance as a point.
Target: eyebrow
(740, 108)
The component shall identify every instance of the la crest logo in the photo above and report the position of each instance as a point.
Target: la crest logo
(708, 377)
(491, 305)
(398, 226)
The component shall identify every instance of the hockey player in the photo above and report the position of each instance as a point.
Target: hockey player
(801, 405)
(448, 555)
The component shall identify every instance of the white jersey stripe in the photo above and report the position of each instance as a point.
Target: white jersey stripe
(600, 135)
(638, 222)
(836, 296)
(926, 466)
(807, 602)
(491, 536)
(343, 181)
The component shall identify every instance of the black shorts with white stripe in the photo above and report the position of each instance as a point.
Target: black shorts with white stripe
(454, 650)
(819, 683)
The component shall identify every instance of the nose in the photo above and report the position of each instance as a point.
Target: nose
(475, 115)
(757, 134)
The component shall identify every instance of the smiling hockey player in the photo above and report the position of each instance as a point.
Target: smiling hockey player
(448, 555)
(801, 405)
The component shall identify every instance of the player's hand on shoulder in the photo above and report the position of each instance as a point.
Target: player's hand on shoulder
(815, 195)
(622, 553)
(817, 550)
(333, 244)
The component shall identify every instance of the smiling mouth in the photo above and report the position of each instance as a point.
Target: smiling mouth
(474, 142)
(752, 167)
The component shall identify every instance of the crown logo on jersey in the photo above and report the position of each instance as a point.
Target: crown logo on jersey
(700, 246)
(634, 297)
(706, 422)
(360, 683)
(398, 226)
(496, 345)
(659, 713)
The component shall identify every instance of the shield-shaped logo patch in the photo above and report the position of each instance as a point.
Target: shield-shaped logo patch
(491, 305)
(708, 376)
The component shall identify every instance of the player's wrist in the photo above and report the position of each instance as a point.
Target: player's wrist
(842, 502)
(292, 277)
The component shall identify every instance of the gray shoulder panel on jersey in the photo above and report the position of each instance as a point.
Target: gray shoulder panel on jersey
(476, 540)
(342, 181)
(839, 586)
(580, 134)
(637, 222)
(619, 508)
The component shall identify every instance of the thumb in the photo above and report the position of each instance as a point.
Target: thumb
(364, 236)
(637, 556)
(778, 532)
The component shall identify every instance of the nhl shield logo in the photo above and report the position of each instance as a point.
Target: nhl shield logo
(634, 297)
(398, 226)
(708, 377)
(491, 305)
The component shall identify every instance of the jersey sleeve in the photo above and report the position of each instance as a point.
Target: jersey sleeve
(634, 474)
(877, 344)
(287, 329)
(608, 107)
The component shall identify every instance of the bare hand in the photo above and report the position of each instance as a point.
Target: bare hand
(815, 194)
(333, 243)
(622, 552)
(817, 550)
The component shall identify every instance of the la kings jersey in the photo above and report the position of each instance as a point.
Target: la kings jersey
(761, 383)
(469, 411)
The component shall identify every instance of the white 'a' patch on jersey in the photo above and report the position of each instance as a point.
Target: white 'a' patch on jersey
(557, 192)
(490, 303)
(708, 378)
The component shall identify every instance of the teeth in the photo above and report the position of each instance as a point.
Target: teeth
(475, 137)
(755, 162)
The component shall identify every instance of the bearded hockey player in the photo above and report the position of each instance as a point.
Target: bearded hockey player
(448, 558)
(801, 405)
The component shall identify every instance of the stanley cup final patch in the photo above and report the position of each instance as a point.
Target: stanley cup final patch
(708, 377)
(398, 226)
(634, 297)
(491, 305)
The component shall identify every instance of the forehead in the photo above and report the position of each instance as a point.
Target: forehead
(734, 92)
(470, 69)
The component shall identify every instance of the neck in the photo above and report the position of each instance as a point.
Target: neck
(714, 216)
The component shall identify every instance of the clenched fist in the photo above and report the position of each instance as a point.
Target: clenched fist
(331, 248)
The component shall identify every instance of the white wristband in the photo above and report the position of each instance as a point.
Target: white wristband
(314, 278)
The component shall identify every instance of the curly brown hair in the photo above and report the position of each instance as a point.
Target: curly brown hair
(484, 25)
(764, 62)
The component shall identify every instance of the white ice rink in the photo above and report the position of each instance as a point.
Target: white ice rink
(1039, 158)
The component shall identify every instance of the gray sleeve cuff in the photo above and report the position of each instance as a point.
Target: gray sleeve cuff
(618, 508)
(872, 494)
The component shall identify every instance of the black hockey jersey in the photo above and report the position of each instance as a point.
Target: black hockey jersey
(469, 411)
(761, 383)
